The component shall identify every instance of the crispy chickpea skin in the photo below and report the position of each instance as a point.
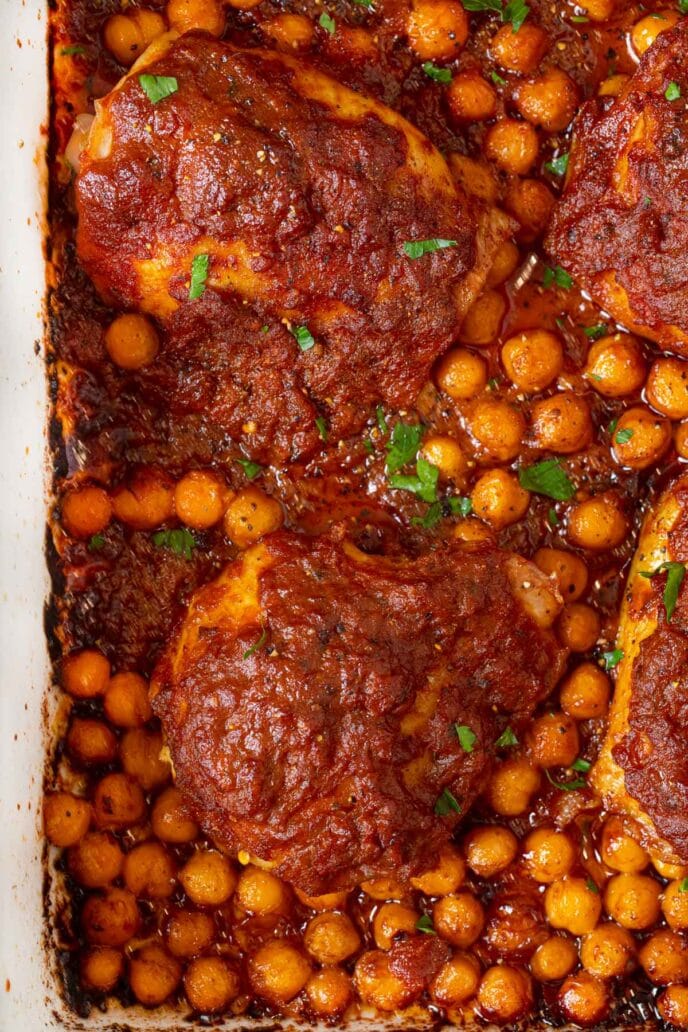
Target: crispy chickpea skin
(110, 918)
(504, 264)
(530, 202)
(456, 981)
(437, 29)
(377, 985)
(512, 785)
(673, 1005)
(641, 437)
(189, 932)
(561, 423)
(208, 878)
(66, 818)
(204, 15)
(664, 957)
(461, 374)
(446, 876)
(278, 971)
(675, 905)
(548, 855)
(568, 571)
(597, 524)
(85, 674)
(549, 100)
(483, 319)
(131, 340)
(86, 511)
(250, 516)
(289, 31)
(391, 920)
(583, 999)
(170, 818)
(118, 802)
(210, 984)
(101, 968)
(615, 366)
(585, 693)
(153, 975)
(621, 851)
(126, 701)
(127, 35)
(554, 959)
(490, 849)
(498, 428)
(329, 992)
(260, 892)
(498, 498)
(471, 98)
(90, 742)
(667, 387)
(632, 900)
(553, 740)
(646, 30)
(579, 626)
(505, 994)
(573, 905)
(519, 51)
(96, 860)
(149, 871)
(447, 455)
(459, 918)
(146, 502)
(608, 951)
(139, 752)
(512, 145)
(331, 938)
(533, 359)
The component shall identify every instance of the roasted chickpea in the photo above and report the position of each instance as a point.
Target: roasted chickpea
(675, 905)
(530, 202)
(664, 957)
(85, 674)
(554, 959)
(612, 86)
(170, 818)
(189, 932)
(328, 901)
(127, 35)
(583, 999)
(250, 516)
(533, 359)
(632, 900)
(673, 1005)
(616, 366)
(646, 30)
(461, 374)
(456, 981)
(549, 100)
(101, 968)
(505, 994)
(147, 502)
(149, 871)
(515, 927)
(445, 876)
(483, 319)
(459, 918)
(512, 785)
(640, 438)
(512, 145)
(437, 29)
(498, 427)
(519, 51)
(118, 802)
(377, 985)
(96, 860)
(153, 975)
(475, 177)
(86, 511)
(328, 992)
(199, 499)
(553, 740)
(384, 888)
(681, 439)
(140, 753)
(208, 878)
(331, 938)
(490, 849)
(446, 454)
(579, 626)
(210, 984)
(598, 10)
(290, 31)
(585, 692)
(110, 918)
(204, 15)
(471, 530)
(278, 971)
(243, 5)
(568, 571)
(126, 701)
(608, 951)
(619, 850)
(391, 920)
(505, 262)
(668, 870)
(597, 524)
(667, 387)
(548, 855)
(65, 818)
(498, 498)
(260, 892)
(561, 423)
(573, 904)
(90, 742)
(471, 98)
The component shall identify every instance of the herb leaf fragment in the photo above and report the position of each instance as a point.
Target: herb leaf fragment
(199, 274)
(303, 337)
(417, 248)
(257, 644)
(179, 541)
(514, 11)
(446, 804)
(507, 739)
(466, 736)
(556, 276)
(675, 573)
(424, 924)
(251, 469)
(435, 73)
(612, 659)
(158, 87)
(558, 166)
(547, 478)
(326, 22)
(423, 484)
(403, 445)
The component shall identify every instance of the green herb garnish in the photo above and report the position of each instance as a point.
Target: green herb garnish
(424, 924)
(596, 331)
(256, 645)
(73, 48)
(612, 659)
(438, 74)
(380, 419)
(581, 765)
(515, 11)
(199, 274)
(507, 739)
(403, 445)
(552, 518)
(566, 786)
(683, 887)
(466, 736)
(673, 91)
(460, 506)
(423, 484)
(675, 573)
(557, 276)
(623, 436)
(497, 79)
(446, 803)
(251, 469)
(322, 427)
(558, 166)
(96, 543)
(326, 22)
(547, 478)
(181, 541)
(417, 248)
(158, 87)
(591, 886)
(303, 337)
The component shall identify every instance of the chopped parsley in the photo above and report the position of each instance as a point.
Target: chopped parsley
(326, 22)
(466, 736)
(497, 79)
(547, 478)
(265, 328)
(557, 276)
(431, 518)
(257, 644)
(251, 469)
(552, 518)
(566, 786)
(683, 887)
(673, 91)
(683, 6)
(417, 248)
(675, 573)
(581, 765)
(558, 166)
(73, 48)
(423, 484)
(424, 924)
(380, 419)
(507, 739)
(493, 383)
(364, 3)
(612, 659)
(446, 803)
(180, 541)
(515, 11)
(403, 445)
(454, 506)
(199, 274)
(158, 87)
(96, 543)
(579, 19)
(613, 425)
(460, 506)
(596, 331)
(322, 427)
(623, 436)
(438, 74)
(303, 337)
(591, 886)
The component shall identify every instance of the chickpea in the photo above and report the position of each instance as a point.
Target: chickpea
(533, 359)
(612, 86)
(673, 1005)
(118, 802)
(210, 985)
(377, 985)
(139, 752)
(260, 892)
(86, 511)
(515, 927)
(188, 933)
(553, 740)
(512, 145)
(147, 502)
(490, 849)
(476, 178)
(126, 702)
(278, 971)
(498, 427)
(208, 878)
(149, 871)
(153, 975)
(328, 901)
(554, 959)
(391, 920)
(505, 994)
(459, 918)
(199, 499)
(530, 202)
(668, 870)
(471, 531)
(170, 818)
(290, 31)
(519, 51)
(127, 35)
(597, 524)
(90, 742)
(65, 818)
(96, 860)
(646, 30)
(583, 999)
(573, 905)
(640, 438)
(608, 951)
(250, 516)
(621, 851)
(632, 900)
(456, 981)
(667, 387)
(437, 29)
(579, 626)
(110, 918)
(85, 674)
(331, 938)
(561, 423)
(512, 785)
(548, 854)
(616, 366)
(664, 957)
(101, 969)
(585, 692)
(675, 905)
(446, 454)
(681, 439)
(568, 571)
(328, 992)
(498, 498)
(505, 262)
(471, 98)
(243, 5)
(187, 15)
(446, 876)
(384, 888)
(598, 10)
(550, 100)
(461, 374)
(483, 319)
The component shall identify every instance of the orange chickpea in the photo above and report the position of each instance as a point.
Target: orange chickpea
(65, 818)
(444, 877)
(86, 511)
(447, 455)
(471, 530)
(139, 751)
(170, 818)
(530, 202)
(664, 957)
(512, 785)
(118, 802)
(568, 571)
(548, 855)
(278, 971)
(131, 340)
(647, 29)
(101, 968)
(681, 439)
(616, 365)
(90, 742)
(608, 951)
(199, 499)
(512, 145)
(572, 904)
(673, 1005)
(668, 870)
(149, 871)
(390, 920)
(498, 498)
(331, 938)
(621, 851)
(290, 31)
(583, 999)
(127, 35)
(126, 701)
(553, 740)
(579, 626)
(189, 932)
(632, 900)
(243, 5)
(383, 889)
(519, 51)
(490, 849)
(328, 992)
(498, 427)
(147, 502)
(456, 981)
(110, 918)
(533, 359)
(459, 918)
(598, 10)
(505, 262)
(612, 86)
(153, 975)
(250, 516)
(561, 423)
(437, 29)
(667, 387)
(505, 994)
(85, 674)
(585, 692)
(461, 374)
(377, 986)
(554, 959)
(260, 892)
(210, 985)
(675, 905)
(550, 100)
(597, 524)
(328, 901)
(208, 878)
(640, 438)
(96, 860)
(471, 98)
(483, 319)
(186, 15)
